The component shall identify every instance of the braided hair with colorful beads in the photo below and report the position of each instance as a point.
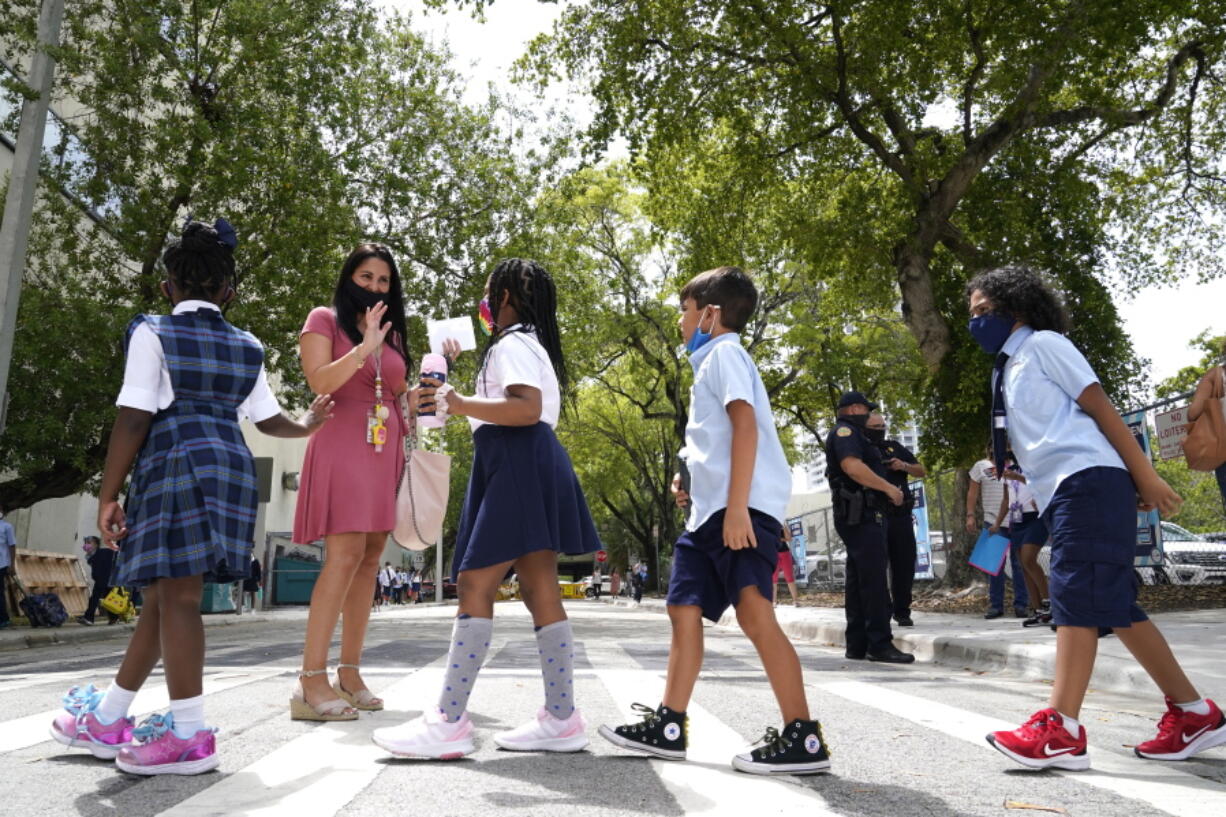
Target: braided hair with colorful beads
(535, 300)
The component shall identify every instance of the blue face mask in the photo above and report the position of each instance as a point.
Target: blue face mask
(699, 338)
(992, 330)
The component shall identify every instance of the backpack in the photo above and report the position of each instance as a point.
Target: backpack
(42, 609)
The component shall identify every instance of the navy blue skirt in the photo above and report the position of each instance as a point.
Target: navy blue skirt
(522, 496)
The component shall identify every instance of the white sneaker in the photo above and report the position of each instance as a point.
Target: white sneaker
(428, 736)
(545, 733)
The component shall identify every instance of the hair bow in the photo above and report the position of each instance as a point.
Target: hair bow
(225, 233)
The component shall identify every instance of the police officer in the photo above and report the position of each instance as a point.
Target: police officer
(901, 467)
(861, 494)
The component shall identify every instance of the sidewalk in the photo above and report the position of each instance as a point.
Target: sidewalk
(1198, 639)
(20, 638)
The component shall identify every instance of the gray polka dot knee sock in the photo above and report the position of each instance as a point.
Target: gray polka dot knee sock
(556, 643)
(470, 640)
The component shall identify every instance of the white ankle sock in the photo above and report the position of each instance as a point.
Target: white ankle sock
(189, 716)
(115, 703)
(1071, 725)
(1198, 707)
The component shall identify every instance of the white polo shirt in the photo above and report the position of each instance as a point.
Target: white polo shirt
(146, 379)
(1052, 437)
(724, 372)
(519, 359)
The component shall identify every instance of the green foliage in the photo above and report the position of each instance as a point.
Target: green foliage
(1202, 509)
(309, 124)
(882, 145)
(1213, 352)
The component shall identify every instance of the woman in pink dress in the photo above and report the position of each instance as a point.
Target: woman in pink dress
(355, 351)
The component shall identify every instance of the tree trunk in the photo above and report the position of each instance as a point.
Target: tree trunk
(958, 572)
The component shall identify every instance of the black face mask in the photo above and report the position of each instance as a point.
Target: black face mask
(361, 298)
(858, 420)
(875, 435)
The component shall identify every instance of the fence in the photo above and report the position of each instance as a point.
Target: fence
(1167, 553)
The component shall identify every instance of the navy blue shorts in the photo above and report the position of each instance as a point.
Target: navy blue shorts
(708, 575)
(1093, 524)
(1030, 531)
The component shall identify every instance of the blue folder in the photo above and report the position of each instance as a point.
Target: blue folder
(990, 552)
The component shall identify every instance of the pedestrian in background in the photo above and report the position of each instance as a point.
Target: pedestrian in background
(101, 562)
(1089, 479)
(8, 561)
(253, 582)
(901, 467)
(988, 488)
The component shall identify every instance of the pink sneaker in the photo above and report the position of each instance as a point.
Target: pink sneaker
(428, 736)
(78, 725)
(158, 750)
(545, 733)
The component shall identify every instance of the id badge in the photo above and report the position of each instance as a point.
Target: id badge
(376, 427)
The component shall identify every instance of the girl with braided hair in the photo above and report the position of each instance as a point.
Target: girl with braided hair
(190, 512)
(523, 507)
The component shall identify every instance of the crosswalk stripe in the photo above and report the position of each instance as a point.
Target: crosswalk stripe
(317, 773)
(31, 729)
(1162, 785)
(706, 783)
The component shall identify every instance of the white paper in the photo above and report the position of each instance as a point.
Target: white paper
(460, 329)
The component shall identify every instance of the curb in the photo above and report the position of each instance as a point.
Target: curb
(12, 641)
(1031, 661)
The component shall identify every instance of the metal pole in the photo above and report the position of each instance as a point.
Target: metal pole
(438, 570)
(23, 186)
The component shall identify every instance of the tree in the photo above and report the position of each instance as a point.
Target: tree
(1071, 118)
(1213, 350)
(310, 124)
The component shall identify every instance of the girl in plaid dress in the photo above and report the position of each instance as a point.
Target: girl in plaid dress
(191, 506)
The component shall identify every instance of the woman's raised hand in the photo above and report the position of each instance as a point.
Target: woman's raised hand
(375, 330)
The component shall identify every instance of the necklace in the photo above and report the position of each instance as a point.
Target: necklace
(377, 414)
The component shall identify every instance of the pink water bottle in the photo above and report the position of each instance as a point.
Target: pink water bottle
(435, 366)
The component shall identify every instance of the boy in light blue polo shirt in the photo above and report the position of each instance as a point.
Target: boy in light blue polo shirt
(1089, 478)
(740, 484)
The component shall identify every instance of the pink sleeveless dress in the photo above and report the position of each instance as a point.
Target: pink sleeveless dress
(346, 486)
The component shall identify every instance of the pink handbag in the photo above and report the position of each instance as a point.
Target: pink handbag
(421, 500)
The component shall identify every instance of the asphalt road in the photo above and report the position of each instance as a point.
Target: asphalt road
(905, 740)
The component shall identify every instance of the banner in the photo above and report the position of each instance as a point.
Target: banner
(799, 549)
(923, 544)
(1149, 531)
(1171, 428)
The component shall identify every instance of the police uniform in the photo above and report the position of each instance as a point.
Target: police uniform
(859, 518)
(900, 531)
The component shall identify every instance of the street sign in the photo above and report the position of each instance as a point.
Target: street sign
(1172, 428)
(601, 556)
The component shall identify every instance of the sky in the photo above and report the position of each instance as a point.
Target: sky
(1160, 320)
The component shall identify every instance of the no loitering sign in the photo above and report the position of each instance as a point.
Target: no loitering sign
(1172, 428)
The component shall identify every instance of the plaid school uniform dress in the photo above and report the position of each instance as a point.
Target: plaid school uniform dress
(193, 499)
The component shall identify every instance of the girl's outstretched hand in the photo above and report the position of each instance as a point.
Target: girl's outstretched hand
(319, 413)
(112, 523)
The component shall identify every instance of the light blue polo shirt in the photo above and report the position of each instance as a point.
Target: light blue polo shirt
(723, 372)
(1052, 437)
(8, 538)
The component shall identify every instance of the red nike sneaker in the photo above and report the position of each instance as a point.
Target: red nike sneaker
(1043, 743)
(1183, 734)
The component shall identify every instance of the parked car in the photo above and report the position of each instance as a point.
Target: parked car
(1190, 558)
(449, 590)
(825, 569)
(606, 586)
